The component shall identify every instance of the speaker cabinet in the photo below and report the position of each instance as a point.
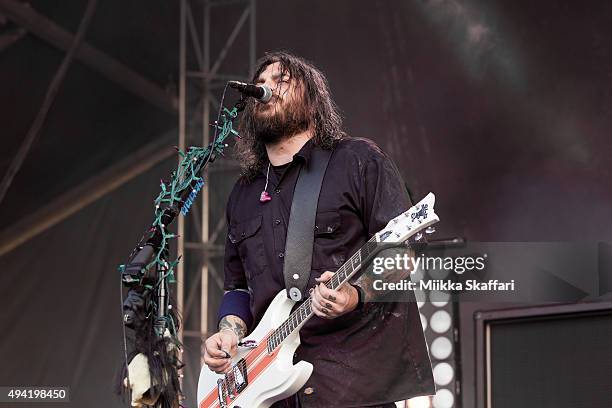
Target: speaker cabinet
(552, 356)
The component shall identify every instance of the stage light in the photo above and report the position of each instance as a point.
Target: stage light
(439, 298)
(441, 347)
(440, 321)
(419, 402)
(443, 399)
(443, 373)
(438, 273)
(437, 312)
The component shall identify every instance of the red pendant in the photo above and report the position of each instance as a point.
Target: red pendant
(264, 197)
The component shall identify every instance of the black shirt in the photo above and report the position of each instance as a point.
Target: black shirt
(372, 355)
(280, 170)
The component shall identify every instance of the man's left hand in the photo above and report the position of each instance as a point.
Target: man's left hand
(328, 303)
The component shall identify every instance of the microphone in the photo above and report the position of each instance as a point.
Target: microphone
(260, 92)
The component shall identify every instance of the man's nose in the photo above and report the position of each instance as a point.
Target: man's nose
(270, 84)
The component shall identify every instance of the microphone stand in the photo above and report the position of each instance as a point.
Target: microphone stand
(148, 274)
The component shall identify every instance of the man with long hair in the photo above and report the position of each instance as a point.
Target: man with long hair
(365, 353)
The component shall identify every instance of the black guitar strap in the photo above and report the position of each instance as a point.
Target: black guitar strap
(300, 233)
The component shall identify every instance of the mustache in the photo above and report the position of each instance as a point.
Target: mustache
(273, 99)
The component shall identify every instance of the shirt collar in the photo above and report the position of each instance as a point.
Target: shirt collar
(305, 152)
(302, 155)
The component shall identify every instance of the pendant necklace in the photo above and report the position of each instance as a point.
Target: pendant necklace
(264, 194)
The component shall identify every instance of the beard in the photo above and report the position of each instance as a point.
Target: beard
(283, 123)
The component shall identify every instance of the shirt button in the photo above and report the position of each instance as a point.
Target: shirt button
(276, 222)
(308, 390)
(281, 255)
(296, 276)
(277, 191)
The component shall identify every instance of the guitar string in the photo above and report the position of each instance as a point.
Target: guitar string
(275, 338)
(339, 278)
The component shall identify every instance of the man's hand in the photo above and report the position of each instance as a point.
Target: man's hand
(328, 303)
(221, 346)
(218, 349)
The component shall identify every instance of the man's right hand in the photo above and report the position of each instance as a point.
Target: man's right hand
(215, 348)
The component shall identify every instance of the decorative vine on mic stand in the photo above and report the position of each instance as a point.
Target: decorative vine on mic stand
(150, 371)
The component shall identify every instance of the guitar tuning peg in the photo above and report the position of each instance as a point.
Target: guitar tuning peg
(430, 230)
(418, 236)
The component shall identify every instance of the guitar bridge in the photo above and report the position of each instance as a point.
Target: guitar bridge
(235, 381)
(222, 395)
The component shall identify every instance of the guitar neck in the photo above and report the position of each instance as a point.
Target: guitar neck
(419, 217)
(304, 312)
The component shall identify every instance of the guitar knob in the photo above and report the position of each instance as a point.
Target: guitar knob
(430, 230)
(418, 236)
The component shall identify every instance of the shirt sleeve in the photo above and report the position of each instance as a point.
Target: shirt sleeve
(233, 271)
(383, 194)
(236, 300)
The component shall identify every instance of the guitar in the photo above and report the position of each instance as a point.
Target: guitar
(262, 371)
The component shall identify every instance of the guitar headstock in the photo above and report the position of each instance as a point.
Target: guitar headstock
(419, 217)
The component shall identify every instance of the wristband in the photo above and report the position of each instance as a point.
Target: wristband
(237, 303)
(360, 296)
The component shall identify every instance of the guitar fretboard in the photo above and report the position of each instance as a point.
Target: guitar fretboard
(304, 312)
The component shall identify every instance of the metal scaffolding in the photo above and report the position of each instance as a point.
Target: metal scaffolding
(198, 89)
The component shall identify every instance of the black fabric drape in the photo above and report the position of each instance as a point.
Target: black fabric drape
(61, 314)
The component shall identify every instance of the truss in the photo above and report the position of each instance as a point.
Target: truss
(199, 87)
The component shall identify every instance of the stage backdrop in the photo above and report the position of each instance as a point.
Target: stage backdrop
(503, 109)
(61, 309)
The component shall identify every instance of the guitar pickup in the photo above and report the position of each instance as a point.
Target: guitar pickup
(240, 375)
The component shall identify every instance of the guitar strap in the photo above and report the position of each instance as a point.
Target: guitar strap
(300, 232)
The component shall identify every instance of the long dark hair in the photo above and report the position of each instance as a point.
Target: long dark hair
(325, 120)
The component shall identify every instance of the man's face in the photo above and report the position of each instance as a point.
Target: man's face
(284, 114)
(283, 89)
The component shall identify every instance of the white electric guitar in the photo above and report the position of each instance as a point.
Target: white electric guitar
(263, 371)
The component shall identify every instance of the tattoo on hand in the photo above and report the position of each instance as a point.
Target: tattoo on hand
(235, 324)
